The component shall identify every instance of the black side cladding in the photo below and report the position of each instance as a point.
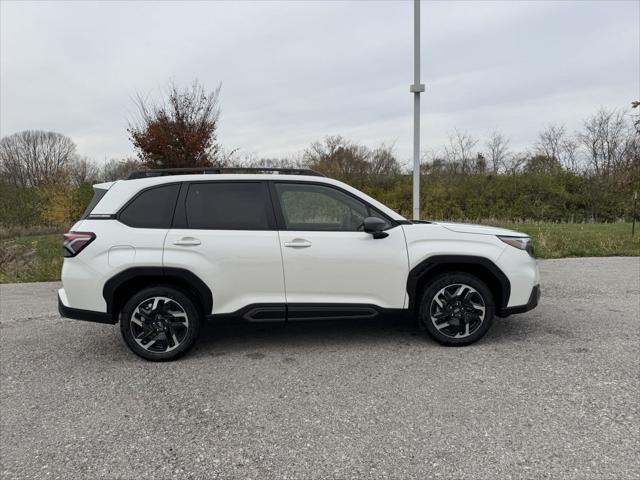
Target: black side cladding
(86, 315)
(453, 261)
(157, 274)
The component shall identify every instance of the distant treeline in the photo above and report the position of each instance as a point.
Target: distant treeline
(586, 176)
(560, 197)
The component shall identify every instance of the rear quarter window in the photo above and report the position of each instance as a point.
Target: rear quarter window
(98, 193)
(152, 208)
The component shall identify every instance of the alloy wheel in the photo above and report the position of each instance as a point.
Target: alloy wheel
(159, 324)
(457, 310)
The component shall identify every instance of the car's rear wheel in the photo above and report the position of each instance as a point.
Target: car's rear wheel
(456, 309)
(160, 323)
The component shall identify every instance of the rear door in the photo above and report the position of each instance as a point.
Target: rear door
(225, 233)
(329, 261)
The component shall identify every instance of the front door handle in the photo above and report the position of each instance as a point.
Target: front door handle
(298, 243)
(187, 242)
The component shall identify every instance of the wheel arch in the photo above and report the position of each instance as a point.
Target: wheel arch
(119, 288)
(481, 267)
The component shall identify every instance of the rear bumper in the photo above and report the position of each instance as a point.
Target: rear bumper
(86, 315)
(534, 298)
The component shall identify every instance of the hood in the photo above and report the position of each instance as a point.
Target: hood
(480, 229)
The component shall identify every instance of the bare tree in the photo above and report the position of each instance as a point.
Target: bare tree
(459, 152)
(83, 170)
(479, 165)
(570, 154)
(498, 151)
(557, 145)
(337, 156)
(636, 121)
(516, 162)
(383, 161)
(550, 140)
(605, 138)
(117, 169)
(433, 162)
(252, 161)
(34, 157)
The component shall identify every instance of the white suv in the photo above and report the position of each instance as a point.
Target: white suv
(165, 250)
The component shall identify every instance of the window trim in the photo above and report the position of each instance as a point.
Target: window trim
(282, 225)
(180, 214)
(118, 214)
(276, 220)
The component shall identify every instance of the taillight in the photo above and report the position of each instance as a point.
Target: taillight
(75, 242)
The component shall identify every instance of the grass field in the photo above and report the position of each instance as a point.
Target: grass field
(38, 258)
(30, 258)
(558, 240)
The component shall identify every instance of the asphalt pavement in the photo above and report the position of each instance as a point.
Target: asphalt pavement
(552, 393)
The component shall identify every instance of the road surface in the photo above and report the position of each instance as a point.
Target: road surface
(553, 393)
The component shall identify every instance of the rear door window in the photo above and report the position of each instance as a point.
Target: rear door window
(153, 208)
(229, 206)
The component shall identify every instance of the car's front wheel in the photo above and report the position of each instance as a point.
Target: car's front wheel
(456, 309)
(160, 323)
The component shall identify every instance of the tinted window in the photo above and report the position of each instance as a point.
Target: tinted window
(98, 193)
(153, 208)
(317, 207)
(229, 206)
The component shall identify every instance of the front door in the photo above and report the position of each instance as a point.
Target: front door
(329, 261)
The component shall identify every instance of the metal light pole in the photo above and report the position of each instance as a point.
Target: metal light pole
(635, 203)
(416, 89)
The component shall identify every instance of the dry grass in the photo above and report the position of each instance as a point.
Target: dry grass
(12, 232)
(31, 258)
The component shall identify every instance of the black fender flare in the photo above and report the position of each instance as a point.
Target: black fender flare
(431, 263)
(168, 273)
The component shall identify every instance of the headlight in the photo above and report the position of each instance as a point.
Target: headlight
(521, 243)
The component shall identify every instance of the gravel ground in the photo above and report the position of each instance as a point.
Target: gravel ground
(553, 393)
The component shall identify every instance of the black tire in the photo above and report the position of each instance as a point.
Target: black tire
(163, 326)
(456, 313)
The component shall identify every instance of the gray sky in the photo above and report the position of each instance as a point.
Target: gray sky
(293, 72)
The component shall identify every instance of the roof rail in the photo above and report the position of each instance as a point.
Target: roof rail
(161, 172)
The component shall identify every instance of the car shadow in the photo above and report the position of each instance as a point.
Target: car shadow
(228, 336)
(239, 335)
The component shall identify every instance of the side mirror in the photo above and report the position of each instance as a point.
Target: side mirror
(375, 226)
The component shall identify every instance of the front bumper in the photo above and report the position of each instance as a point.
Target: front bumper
(534, 298)
(86, 315)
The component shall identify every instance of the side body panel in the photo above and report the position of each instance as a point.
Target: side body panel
(117, 247)
(522, 271)
(345, 267)
(427, 240)
(240, 267)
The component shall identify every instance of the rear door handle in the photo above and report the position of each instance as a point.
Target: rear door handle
(298, 243)
(187, 242)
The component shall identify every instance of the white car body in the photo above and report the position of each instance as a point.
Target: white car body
(282, 270)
